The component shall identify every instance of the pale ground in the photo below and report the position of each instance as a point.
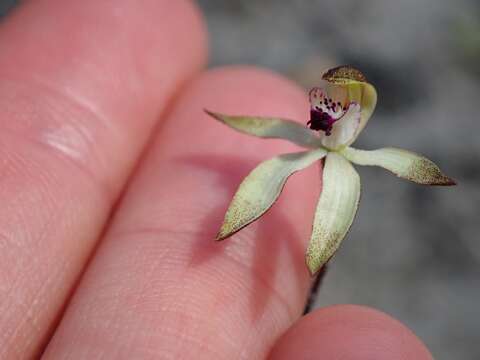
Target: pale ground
(413, 251)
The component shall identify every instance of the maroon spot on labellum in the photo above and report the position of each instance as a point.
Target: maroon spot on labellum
(320, 120)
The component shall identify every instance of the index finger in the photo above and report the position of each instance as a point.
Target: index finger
(159, 286)
(82, 85)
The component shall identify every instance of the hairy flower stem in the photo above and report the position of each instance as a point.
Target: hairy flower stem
(312, 296)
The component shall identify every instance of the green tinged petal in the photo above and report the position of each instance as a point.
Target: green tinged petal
(261, 188)
(271, 128)
(405, 164)
(335, 211)
(358, 91)
(367, 95)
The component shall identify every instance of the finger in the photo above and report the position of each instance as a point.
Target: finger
(82, 84)
(349, 332)
(160, 287)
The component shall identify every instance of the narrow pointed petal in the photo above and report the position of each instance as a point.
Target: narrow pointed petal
(405, 164)
(345, 129)
(271, 128)
(261, 188)
(335, 211)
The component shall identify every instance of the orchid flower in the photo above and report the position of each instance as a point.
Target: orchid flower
(338, 114)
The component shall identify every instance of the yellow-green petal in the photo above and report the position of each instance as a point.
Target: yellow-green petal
(405, 164)
(275, 128)
(335, 211)
(358, 90)
(261, 188)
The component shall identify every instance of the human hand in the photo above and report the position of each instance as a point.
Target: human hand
(85, 86)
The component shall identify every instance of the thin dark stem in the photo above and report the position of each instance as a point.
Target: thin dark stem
(312, 296)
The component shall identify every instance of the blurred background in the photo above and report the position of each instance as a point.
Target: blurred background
(413, 251)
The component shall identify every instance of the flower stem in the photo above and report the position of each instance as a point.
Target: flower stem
(312, 296)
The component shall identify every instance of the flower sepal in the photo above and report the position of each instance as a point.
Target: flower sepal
(261, 188)
(403, 163)
(270, 128)
(338, 114)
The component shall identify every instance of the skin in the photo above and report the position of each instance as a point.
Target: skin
(113, 185)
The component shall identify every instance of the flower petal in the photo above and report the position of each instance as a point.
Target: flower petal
(366, 95)
(261, 188)
(358, 90)
(270, 128)
(345, 129)
(405, 164)
(335, 210)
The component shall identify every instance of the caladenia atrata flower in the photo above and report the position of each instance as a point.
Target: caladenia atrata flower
(338, 113)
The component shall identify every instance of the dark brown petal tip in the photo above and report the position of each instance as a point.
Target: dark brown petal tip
(214, 115)
(424, 171)
(222, 235)
(343, 74)
(444, 181)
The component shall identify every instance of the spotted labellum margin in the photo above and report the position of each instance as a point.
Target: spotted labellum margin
(339, 111)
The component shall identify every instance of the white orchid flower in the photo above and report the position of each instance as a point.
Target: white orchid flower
(338, 114)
